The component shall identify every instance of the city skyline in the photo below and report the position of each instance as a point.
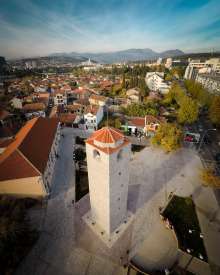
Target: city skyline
(38, 28)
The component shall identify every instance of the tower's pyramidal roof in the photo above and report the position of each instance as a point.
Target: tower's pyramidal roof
(108, 139)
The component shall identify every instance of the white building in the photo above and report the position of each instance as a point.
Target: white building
(209, 82)
(30, 64)
(155, 82)
(59, 98)
(92, 116)
(17, 103)
(169, 63)
(159, 61)
(211, 65)
(98, 100)
(90, 65)
(108, 157)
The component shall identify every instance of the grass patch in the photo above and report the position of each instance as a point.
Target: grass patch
(16, 235)
(182, 215)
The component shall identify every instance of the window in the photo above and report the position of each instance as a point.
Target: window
(119, 156)
(96, 154)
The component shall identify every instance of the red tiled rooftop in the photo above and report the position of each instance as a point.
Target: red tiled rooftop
(4, 114)
(138, 121)
(67, 118)
(107, 135)
(29, 150)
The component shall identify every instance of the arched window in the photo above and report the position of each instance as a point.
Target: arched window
(96, 154)
(119, 155)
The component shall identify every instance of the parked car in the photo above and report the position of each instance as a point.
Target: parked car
(188, 138)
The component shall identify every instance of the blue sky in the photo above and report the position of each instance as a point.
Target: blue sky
(39, 27)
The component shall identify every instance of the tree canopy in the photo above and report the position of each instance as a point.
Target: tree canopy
(175, 94)
(168, 136)
(188, 111)
(209, 178)
(135, 109)
(214, 110)
(197, 92)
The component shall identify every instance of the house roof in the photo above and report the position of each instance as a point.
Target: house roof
(4, 114)
(73, 107)
(30, 150)
(98, 98)
(93, 109)
(83, 102)
(153, 119)
(138, 121)
(80, 91)
(16, 166)
(132, 92)
(34, 107)
(67, 118)
(5, 142)
(108, 140)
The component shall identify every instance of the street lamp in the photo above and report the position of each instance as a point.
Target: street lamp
(202, 139)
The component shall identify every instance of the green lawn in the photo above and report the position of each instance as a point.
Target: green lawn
(16, 234)
(182, 215)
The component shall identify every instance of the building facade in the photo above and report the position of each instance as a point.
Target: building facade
(155, 82)
(209, 82)
(27, 164)
(108, 156)
(60, 98)
(93, 116)
(211, 65)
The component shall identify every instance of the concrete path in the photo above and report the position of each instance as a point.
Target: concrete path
(56, 251)
(68, 246)
(158, 174)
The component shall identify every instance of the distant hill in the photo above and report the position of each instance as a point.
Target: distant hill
(171, 53)
(121, 56)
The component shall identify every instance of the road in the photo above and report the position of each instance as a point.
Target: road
(208, 151)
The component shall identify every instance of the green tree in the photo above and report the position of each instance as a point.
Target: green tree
(197, 92)
(123, 85)
(117, 123)
(149, 108)
(144, 90)
(177, 72)
(214, 110)
(175, 95)
(209, 178)
(188, 111)
(168, 77)
(168, 136)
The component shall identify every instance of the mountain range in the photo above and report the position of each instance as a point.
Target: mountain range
(120, 56)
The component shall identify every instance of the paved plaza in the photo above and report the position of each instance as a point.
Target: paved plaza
(67, 245)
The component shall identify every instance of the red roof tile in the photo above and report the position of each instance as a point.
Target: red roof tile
(29, 150)
(15, 167)
(107, 136)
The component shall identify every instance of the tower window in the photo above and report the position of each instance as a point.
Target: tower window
(96, 154)
(119, 155)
